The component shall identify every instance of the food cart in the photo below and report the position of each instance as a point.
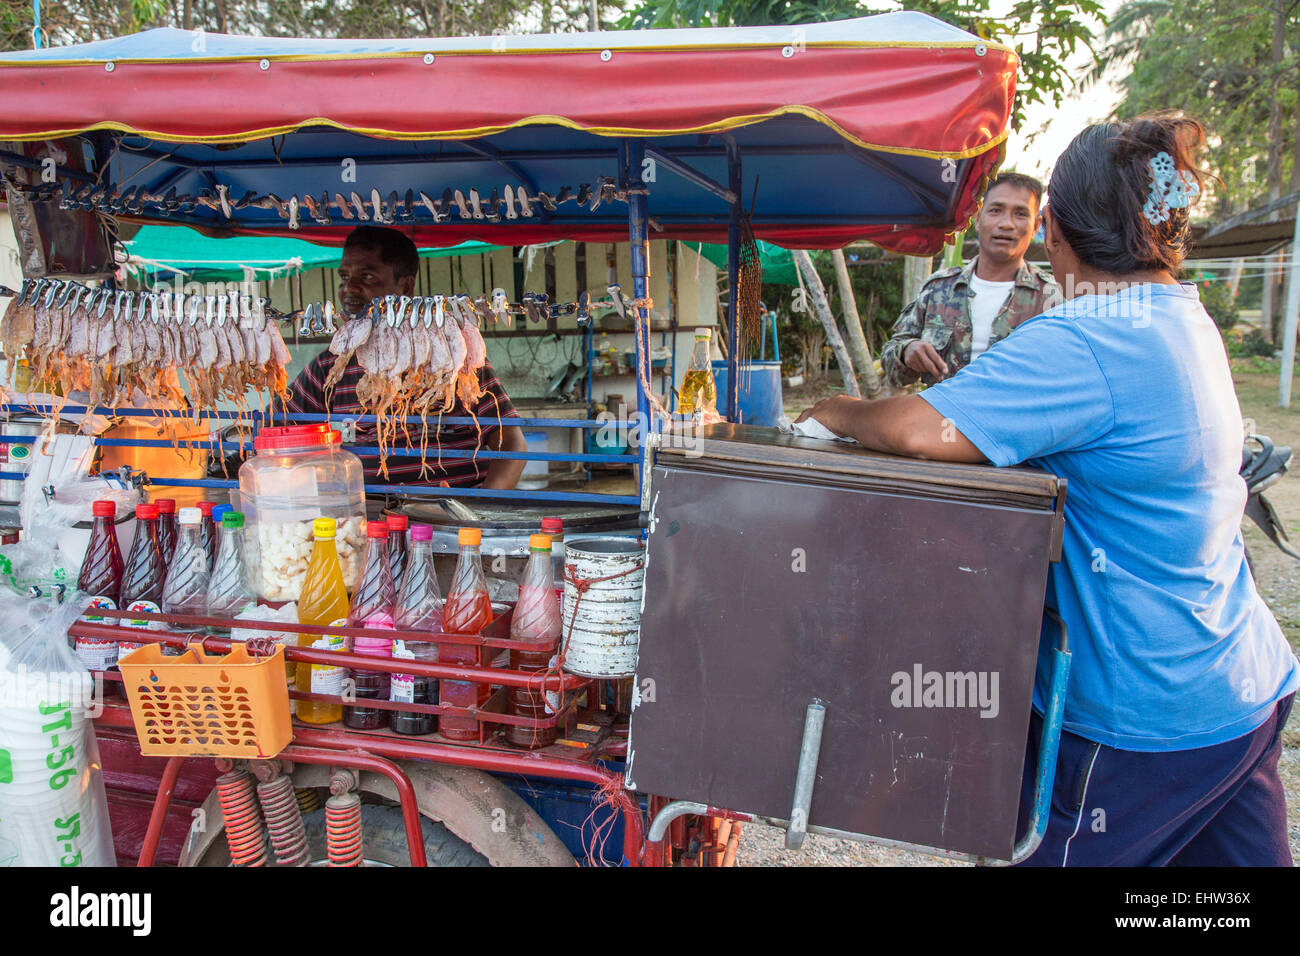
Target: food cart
(884, 128)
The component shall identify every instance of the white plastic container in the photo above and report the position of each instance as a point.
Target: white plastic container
(535, 473)
(606, 632)
(300, 474)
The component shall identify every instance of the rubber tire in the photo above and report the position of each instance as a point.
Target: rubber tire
(383, 841)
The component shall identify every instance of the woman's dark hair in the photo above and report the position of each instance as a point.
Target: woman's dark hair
(1101, 182)
(395, 248)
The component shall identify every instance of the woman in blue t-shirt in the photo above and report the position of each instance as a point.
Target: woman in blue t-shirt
(1181, 679)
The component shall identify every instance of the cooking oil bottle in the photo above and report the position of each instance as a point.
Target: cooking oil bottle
(324, 601)
(699, 392)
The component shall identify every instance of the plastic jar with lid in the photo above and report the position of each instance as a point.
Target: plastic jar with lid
(298, 474)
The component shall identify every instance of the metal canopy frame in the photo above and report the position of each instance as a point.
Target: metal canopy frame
(630, 153)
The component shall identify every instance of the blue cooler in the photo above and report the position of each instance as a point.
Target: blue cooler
(760, 401)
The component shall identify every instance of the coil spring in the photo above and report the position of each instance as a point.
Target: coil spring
(245, 832)
(343, 829)
(308, 799)
(283, 821)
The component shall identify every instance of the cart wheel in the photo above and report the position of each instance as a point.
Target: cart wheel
(383, 841)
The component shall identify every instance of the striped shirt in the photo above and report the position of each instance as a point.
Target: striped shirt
(307, 394)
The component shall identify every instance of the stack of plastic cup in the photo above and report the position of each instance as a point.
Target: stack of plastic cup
(53, 809)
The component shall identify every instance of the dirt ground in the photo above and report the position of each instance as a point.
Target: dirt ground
(1276, 574)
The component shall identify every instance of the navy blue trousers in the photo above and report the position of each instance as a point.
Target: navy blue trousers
(1213, 806)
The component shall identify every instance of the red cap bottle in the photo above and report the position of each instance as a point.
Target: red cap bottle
(101, 583)
(397, 549)
(146, 573)
(208, 531)
(167, 528)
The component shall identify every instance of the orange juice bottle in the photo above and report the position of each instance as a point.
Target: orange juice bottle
(324, 601)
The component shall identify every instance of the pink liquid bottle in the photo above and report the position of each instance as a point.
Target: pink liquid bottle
(536, 618)
(372, 607)
(468, 610)
(419, 608)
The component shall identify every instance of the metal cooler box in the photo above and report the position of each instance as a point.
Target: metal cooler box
(905, 595)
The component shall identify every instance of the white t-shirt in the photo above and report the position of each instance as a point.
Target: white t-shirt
(989, 297)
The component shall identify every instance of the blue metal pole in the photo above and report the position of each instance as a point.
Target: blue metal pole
(1049, 744)
(36, 24)
(637, 208)
(733, 282)
(589, 340)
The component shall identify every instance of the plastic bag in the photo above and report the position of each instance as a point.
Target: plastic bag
(57, 460)
(53, 808)
(287, 613)
(53, 547)
(72, 500)
(37, 562)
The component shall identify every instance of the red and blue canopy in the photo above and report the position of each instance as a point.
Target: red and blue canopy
(882, 128)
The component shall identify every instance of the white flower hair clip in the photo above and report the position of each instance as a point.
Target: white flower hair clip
(1171, 188)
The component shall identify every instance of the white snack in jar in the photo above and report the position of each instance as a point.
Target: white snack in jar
(285, 549)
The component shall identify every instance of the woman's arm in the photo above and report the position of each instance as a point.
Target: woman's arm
(904, 425)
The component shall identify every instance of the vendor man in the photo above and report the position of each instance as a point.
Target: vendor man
(961, 312)
(378, 262)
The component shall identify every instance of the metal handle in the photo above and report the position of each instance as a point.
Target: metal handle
(809, 750)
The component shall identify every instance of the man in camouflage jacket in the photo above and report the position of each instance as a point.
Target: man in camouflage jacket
(932, 338)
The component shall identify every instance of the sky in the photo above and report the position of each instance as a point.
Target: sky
(1056, 126)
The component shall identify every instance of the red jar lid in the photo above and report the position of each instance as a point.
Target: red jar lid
(166, 506)
(377, 529)
(297, 436)
(205, 508)
(397, 522)
(104, 509)
(145, 512)
(552, 525)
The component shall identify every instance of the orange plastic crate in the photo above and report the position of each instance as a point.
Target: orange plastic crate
(208, 705)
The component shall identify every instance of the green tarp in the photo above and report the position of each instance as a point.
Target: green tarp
(778, 264)
(179, 249)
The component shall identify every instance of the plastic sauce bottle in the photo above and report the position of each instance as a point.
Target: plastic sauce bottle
(323, 602)
(101, 582)
(167, 529)
(372, 607)
(208, 531)
(537, 618)
(230, 589)
(397, 550)
(419, 608)
(186, 589)
(414, 689)
(554, 528)
(468, 610)
(145, 575)
(699, 392)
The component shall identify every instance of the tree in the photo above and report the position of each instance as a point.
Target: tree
(1044, 33)
(1232, 67)
(66, 23)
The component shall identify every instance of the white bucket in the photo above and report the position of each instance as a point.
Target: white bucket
(606, 634)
